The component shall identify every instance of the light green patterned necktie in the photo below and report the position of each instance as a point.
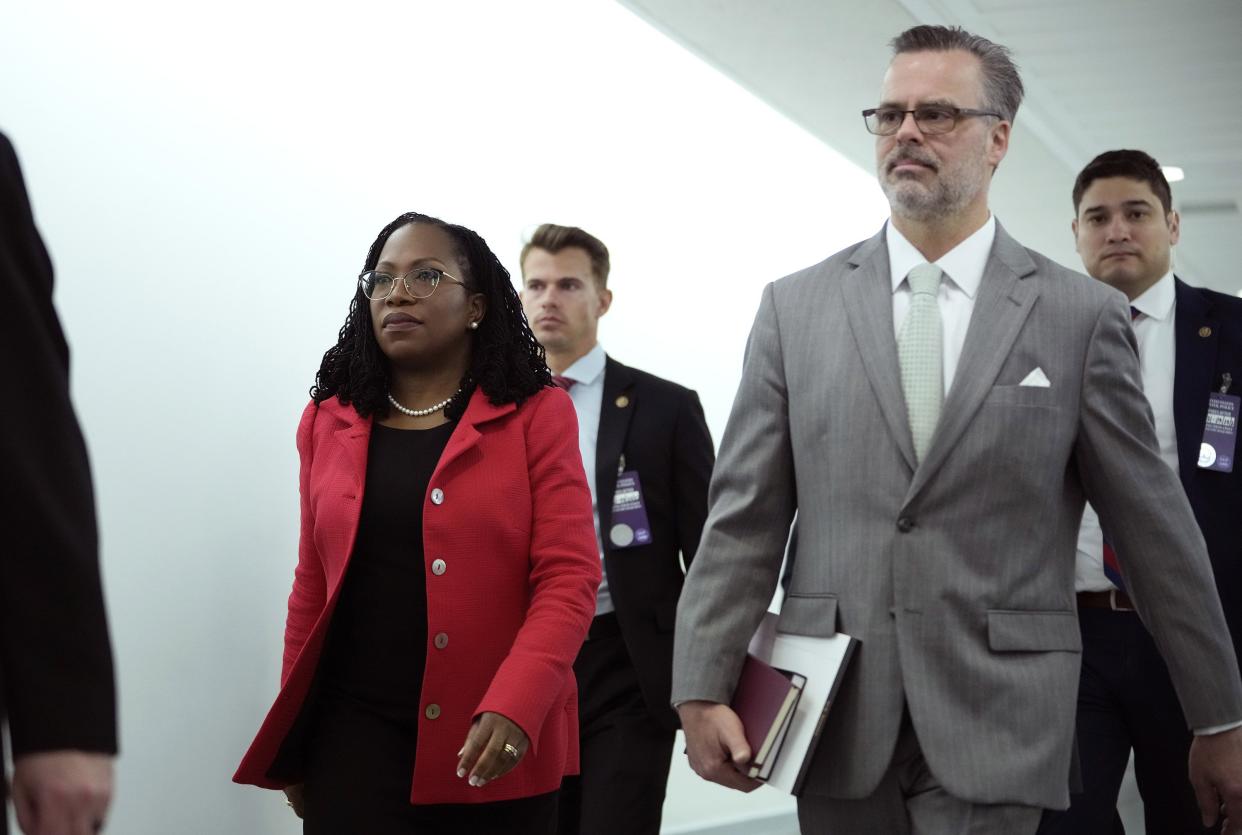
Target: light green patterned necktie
(919, 352)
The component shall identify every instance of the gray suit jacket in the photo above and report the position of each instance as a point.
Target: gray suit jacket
(957, 575)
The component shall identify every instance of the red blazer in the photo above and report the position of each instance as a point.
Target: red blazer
(512, 569)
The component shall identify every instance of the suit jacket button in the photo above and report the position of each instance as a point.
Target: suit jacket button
(441, 640)
(432, 711)
(437, 496)
(438, 567)
(905, 524)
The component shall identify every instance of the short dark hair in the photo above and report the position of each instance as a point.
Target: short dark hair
(553, 239)
(506, 362)
(1002, 85)
(1134, 165)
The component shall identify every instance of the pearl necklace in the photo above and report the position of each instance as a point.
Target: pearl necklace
(422, 412)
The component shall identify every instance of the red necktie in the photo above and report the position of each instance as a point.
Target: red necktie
(563, 382)
(1112, 568)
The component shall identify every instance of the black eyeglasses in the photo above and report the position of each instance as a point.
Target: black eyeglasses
(931, 118)
(419, 283)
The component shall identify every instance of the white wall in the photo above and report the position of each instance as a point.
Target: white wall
(208, 178)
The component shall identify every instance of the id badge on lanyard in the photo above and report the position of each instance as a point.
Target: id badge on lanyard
(630, 527)
(1220, 434)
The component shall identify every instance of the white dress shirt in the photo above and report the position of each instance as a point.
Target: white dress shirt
(1157, 345)
(963, 268)
(587, 393)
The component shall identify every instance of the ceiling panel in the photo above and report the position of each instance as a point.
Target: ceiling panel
(1159, 76)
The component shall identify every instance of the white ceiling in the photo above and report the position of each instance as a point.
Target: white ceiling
(1164, 77)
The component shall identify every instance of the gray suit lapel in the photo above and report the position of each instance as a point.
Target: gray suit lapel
(1003, 303)
(868, 293)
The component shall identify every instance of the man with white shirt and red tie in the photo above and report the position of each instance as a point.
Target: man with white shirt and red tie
(1190, 352)
(648, 458)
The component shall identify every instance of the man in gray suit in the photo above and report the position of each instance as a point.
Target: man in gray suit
(938, 402)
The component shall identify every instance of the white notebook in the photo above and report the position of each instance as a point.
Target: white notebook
(823, 661)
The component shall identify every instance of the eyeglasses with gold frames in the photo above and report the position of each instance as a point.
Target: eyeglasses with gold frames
(420, 283)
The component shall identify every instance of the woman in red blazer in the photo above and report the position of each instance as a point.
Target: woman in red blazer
(447, 566)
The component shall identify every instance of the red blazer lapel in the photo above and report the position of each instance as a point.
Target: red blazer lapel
(479, 411)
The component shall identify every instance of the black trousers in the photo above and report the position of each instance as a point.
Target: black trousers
(1126, 701)
(626, 753)
(357, 782)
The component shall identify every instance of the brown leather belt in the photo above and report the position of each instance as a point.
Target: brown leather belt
(1114, 599)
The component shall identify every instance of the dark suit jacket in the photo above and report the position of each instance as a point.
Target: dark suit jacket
(55, 659)
(659, 427)
(1209, 345)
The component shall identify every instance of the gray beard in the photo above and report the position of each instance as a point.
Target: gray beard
(950, 193)
(944, 199)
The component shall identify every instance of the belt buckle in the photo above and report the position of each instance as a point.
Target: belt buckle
(1112, 602)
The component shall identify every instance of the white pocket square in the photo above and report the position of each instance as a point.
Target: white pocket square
(1036, 378)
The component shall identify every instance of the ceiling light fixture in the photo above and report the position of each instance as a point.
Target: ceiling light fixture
(1173, 174)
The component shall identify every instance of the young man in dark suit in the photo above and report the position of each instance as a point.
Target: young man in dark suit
(648, 458)
(1190, 350)
(56, 688)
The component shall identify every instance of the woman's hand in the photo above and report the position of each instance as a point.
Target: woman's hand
(296, 798)
(493, 747)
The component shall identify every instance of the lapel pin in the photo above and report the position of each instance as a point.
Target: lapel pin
(622, 402)
(1205, 331)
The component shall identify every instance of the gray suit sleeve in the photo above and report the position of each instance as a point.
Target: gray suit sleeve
(751, 501)
(1144, 509)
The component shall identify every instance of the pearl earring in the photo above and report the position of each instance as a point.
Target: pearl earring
(474, 326)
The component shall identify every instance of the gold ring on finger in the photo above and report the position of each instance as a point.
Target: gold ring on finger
(511, 750)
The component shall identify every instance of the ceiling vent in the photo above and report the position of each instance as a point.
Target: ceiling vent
(1210, 207)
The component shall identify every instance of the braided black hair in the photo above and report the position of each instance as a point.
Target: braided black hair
(507, 362)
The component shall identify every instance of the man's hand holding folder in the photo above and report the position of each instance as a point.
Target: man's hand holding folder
(716, 741)
(716, 744)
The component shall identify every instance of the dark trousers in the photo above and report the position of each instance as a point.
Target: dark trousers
(359, 766)
(1126, 701)
(625, 752)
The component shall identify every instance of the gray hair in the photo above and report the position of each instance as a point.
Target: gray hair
(1002, 85)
